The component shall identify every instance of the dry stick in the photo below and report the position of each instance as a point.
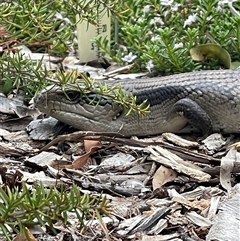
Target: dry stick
(118, 138)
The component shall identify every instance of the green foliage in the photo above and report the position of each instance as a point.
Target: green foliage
(29, 78)
(20, 209)
(37, 23)
(115, 93)
(154, 34)
(23, 74)
(48, 24)
(165, 31)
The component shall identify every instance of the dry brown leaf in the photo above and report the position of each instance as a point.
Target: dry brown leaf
(162, 176)
(22, 237)
(90, 147)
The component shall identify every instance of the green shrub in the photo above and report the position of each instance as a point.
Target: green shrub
(161, 33)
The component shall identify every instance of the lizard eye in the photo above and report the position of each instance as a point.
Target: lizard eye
(73, 96)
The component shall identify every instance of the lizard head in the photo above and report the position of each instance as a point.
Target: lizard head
(85, 112)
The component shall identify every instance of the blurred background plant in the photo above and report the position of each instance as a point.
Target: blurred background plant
(48, 26)
(159, 34)
(154, 35)
(40, 26)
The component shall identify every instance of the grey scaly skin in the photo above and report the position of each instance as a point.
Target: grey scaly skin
(208, 100)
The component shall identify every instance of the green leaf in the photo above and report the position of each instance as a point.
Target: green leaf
(5, 231)
(205, 51)
(235, 65)
(7, 87)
